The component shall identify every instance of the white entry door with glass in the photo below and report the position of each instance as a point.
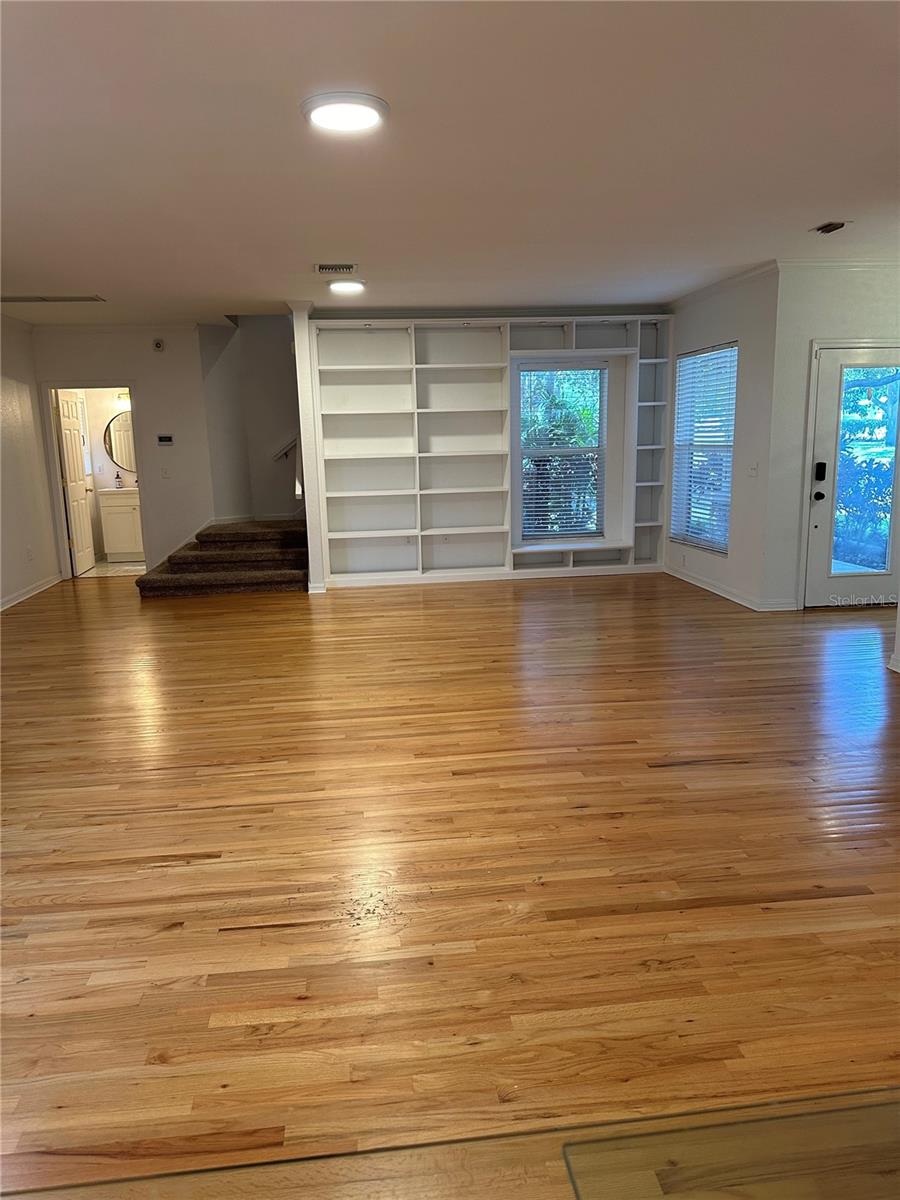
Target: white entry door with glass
(852, 551)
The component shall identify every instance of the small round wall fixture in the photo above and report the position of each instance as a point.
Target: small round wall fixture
(347, 287)
(345, 112)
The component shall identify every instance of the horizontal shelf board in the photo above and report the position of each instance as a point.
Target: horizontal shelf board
(653, 362)
(650, 483)
(579, 544)
(529, 572)
(482, 366)
(444, 412)
(378, 492)
(463, 453)
(371, 412)
(442, 531)
(648, 524)
(460, 491)
(356, 367)
(469, 572)
(568, 352)
(387, 577)
(344, 534)
(345, 457)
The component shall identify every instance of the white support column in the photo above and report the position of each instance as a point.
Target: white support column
(894, 661)
(309, 448)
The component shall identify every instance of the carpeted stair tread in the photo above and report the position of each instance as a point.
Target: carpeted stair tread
(234, 556)
(286, 533)
(214, 556)
(163, 582)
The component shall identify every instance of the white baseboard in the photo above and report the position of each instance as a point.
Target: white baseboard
(32, 590)
(894, 662)
(751, 602)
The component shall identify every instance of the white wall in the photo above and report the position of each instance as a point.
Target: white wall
(28, 557)
(894, 663)
(743, 310)
(220, 362)
(814, 303)
(167, 398)
(271, 412)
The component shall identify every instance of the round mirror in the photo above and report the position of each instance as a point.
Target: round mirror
(118, 442)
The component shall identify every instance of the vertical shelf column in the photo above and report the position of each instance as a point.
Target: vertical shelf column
(653, 448)
(462, 416)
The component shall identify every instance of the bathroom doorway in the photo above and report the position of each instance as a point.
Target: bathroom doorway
(98, 469)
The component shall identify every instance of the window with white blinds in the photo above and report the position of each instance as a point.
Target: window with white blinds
(562, 423)
(705, 394)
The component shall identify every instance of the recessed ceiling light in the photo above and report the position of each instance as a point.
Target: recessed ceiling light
(347, 287)
(345, 112)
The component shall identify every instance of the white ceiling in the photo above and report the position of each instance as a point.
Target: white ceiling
(537, 154)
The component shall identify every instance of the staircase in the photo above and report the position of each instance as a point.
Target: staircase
(235, 556)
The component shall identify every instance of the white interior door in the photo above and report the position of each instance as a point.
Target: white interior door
(81, 538)
(852, 555)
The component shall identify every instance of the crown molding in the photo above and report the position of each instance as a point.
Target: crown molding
(836, 264)
(721, 285)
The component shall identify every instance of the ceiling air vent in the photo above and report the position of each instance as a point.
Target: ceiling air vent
(52, 300)
(337, 268)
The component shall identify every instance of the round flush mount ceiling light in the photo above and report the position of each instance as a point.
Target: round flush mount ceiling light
(347, 287)
(345, 112)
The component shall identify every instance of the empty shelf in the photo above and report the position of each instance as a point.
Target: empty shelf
(445, 531)
(386, 454)
(374, 493)
(377, 367)
(374, 533)
(463, 453)
(575, 544)
(482, 366)
(460, 491)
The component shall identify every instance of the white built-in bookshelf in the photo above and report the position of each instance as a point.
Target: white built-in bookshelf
(415, 440)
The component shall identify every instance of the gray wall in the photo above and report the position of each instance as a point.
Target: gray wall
(166, 398)
(27, 539)
(745, 311)
(815, 302)
(271, 411)
(220, 364)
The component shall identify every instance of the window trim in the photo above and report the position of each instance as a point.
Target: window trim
(685, 539)
(552, 361)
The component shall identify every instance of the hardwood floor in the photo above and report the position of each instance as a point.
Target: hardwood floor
(291, 875)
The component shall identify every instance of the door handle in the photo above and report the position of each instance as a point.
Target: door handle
(820, 472)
